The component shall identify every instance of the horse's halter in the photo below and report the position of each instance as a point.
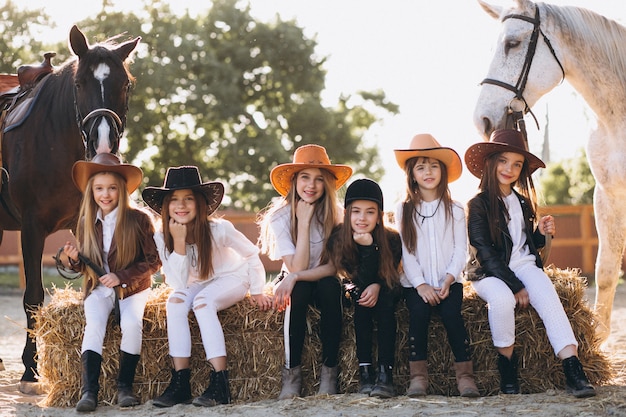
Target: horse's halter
(517, 116)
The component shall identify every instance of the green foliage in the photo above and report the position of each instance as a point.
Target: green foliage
(568, 182)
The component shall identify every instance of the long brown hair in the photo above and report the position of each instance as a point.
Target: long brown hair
(127, 231)
(489, 184)
(199, 230)
(414, 198)
(344, 251)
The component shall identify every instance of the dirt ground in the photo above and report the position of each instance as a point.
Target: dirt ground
(610, 401)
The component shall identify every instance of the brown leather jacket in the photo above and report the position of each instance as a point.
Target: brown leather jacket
(137, 276)
(493, 258)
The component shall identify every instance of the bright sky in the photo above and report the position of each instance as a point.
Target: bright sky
(428, 57)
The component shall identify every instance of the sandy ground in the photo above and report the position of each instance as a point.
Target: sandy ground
(610, 401)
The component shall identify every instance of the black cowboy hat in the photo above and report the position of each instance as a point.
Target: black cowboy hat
(184, 178)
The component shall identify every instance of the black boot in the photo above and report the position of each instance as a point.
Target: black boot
(125, 379)
(367, 379)
(91, 362)
(576, 380)
(218, 391)
(178, 392)
(508, 374)
(384, 383)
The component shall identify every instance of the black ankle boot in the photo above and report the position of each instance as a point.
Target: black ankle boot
(91, 362)
(384, 383)
(576, 380)
(218, 391)
(125, 379)
(367, 379)
(508, 374)
(178, 392)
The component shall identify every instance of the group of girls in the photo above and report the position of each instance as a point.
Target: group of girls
(325, 248)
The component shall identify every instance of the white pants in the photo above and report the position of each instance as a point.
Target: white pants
(98, 306)
(206, 299)
(543, 297)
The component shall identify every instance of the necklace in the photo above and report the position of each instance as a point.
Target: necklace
(194, 259)
(428, 217)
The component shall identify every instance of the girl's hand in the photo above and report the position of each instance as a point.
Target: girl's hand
(109, 280)
(264, 302)
(521, 298)
(304, 211)
(363, 239)
(547, 225)
(444, 291)
(428, 294)
(369, 296)
(178, 230)
(70, 251)
(282, 292)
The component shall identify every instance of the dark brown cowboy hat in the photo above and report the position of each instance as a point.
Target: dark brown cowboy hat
(502, 140)
(426, 146)
(184, 178)
(106, 162)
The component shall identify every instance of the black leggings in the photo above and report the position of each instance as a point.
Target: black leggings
(384, 312)
(324, 294)
(450, 311)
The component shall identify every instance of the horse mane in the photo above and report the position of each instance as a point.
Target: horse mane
(60, 84)
(592, 35)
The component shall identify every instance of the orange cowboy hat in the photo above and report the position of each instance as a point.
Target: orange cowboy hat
(426, 146)
(307, 156)
(501, 140)
(106, 162)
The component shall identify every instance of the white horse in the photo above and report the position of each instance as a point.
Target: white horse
(589, 51)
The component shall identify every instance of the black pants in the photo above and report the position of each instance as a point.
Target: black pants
(324, 294)
(384, 313)
(419, 320)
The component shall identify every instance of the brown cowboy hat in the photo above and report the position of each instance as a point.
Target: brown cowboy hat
(106, 162)
(307, 156)
(502, 140)
(184, 178)
(426, 146)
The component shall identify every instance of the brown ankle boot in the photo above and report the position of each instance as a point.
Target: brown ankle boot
(419, 379)
(465, 379)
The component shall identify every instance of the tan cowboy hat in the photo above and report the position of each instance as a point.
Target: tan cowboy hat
(426, 146)
(502, 140)
(307, 156)
(106, 162)
(184, 178)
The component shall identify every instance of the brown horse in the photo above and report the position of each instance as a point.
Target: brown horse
(73, 113)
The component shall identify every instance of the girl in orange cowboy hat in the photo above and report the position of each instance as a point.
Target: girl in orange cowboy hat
(118, 238)
(434, 252)
(505, 237)
(295, 229)
(210, 266)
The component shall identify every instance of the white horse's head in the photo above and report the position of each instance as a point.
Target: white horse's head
(518, 76)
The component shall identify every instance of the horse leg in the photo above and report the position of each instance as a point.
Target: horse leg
(611, 234)
(32, 250)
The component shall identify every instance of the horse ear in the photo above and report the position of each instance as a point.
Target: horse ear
(78, 42)
(492, 10)
(124, 50)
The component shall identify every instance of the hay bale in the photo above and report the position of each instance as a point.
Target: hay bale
(256, 354)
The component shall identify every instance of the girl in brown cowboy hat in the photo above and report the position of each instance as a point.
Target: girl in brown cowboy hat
(118, 238)
(434, 237)
(295, 229)
(505, 237)
(210, 266)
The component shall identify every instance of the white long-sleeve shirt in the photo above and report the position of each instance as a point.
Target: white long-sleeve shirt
(441, 245)
(231, 250)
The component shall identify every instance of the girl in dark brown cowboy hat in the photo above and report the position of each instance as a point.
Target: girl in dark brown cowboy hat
(295, 229)
(505, 237)
(434, 238)
(118, 238)
(210, 266)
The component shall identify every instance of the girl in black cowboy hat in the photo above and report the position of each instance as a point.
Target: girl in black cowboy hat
(505, 236)
(118, 238)
(210, 266)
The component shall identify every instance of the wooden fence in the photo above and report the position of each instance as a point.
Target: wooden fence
(575, 246)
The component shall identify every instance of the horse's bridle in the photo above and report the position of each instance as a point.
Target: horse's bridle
(517, 115)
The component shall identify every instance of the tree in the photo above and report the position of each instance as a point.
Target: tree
(568, 182)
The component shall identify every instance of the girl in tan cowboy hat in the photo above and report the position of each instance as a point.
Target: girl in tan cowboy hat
(295, 229)
(434, 238)
(505, 236)
(210, 266)
(118, 238)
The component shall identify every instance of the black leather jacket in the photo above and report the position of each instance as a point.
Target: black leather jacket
(494, 259)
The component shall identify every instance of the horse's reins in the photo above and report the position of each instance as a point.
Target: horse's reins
(518, 88)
